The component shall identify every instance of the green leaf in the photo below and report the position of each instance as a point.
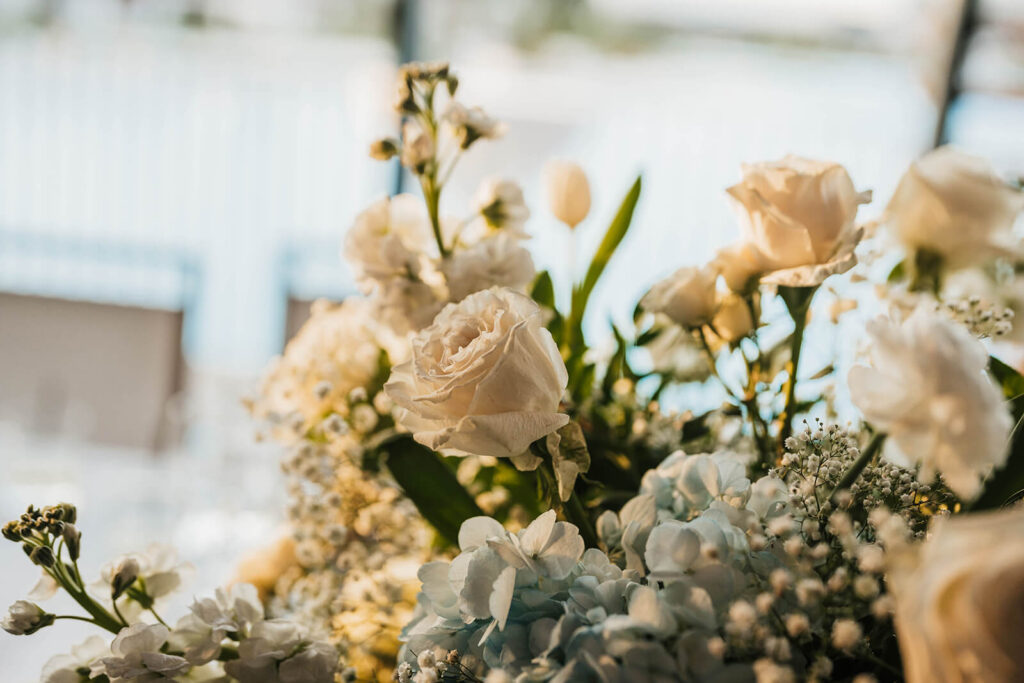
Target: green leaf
(1006, 484)
(543, 291)
(647, 336)
(612, 237)
(431, 486)
(617, 366)
(898, 272)
(1009, 379)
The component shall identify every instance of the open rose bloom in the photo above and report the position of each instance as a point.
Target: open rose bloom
(485, 378)
(799, 215)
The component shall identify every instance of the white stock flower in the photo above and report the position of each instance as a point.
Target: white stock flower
(928, 389)
(953, 204)
(687, 297)
(417, 145)
(485, 378)
(567, 190)
(201, 633)
(389, 239)
(800, 216)
(67, 668)
(278, 651)
(24, 617)
(495, 261)
(958, 600)
(136, 656)
(501, 204)
(469, 124)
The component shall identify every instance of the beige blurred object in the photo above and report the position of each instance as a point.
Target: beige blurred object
(568, 191)
(99, 372)
(266, 566)
(958, 600)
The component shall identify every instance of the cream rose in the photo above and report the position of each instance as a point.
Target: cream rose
(800, 217)
(928, 389)
(485, 378)
(738, 264)
(733, 320)
(959, 600)
(954, 205)
(687, 297)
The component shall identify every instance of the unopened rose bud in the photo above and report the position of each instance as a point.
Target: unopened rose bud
(568, 191)
(125, 575)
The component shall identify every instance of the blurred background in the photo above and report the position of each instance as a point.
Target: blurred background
(176, 177)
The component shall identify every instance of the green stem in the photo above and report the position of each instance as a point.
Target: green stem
(798, 302)
(866, 456)
(577, 514)
(76, 618)
(432, 196)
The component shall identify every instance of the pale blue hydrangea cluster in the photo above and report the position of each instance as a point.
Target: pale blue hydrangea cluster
(704, 576)
(650, 606)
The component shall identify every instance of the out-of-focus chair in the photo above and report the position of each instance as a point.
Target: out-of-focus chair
(91, 339)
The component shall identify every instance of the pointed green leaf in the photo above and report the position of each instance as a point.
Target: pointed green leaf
(543, 291)
(431, 486)
(612, 238)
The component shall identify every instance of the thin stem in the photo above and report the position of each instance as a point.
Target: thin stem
(709, 356)
(798, 301)
(76, 618)
(117, 611)
(153, 612)
(575, 512)
(866, 456)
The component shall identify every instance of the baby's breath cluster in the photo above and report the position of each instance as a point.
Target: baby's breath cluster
(981, 319)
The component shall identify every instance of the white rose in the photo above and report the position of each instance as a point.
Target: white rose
(687, 296)
(568, 191)
(733, 320)
(954, 205)
(498, 260)
(390, 239)
(928, 389)
(958, 600)
(501, 204)
(800, 216)
(485, 378)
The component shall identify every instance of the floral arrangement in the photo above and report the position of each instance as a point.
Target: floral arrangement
(479, 494)
(223, 638)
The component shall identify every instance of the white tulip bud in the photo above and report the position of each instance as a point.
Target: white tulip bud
(568, 191)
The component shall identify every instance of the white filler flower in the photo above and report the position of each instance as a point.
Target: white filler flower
(928, 389)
